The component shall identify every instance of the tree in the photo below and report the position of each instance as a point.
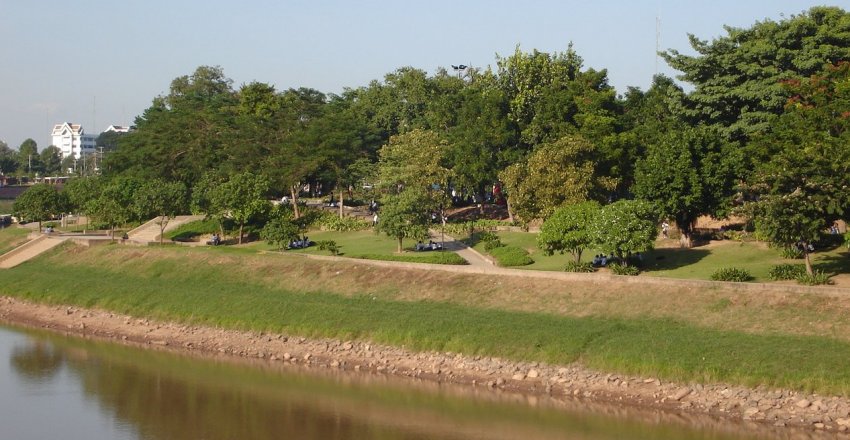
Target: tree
(413, 160)
(688, 173)
(8, 159)
(626, 227)
(569, 229)
(405, 215)
(241, 198)
(28, 157)
(51, 160)
(803, 188)
(162, 199)
(39, 202)
(557, 173)
(738, 77)
(280, 231)
(116, 203)
(82, 191)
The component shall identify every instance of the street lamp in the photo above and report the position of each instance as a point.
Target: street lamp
(460, 68)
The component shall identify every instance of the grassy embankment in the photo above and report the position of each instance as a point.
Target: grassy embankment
(356, 244)
(695, 263)
(11, 237)
(717, 335)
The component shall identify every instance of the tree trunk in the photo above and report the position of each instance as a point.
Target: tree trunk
(341, 203)
(808, 260)
(399, 244)
(163, 222)
(685, 239)
(510, 212)
(686, 227)
(294, 195)
(241, 225)
(577, 255)
(39, 226)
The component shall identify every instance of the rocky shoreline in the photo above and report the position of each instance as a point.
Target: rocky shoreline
(779, 408)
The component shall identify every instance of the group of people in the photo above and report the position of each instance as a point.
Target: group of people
(215, 240)
(600, 260)
(431, 246)
(300, 243)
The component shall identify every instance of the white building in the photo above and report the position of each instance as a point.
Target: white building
(72, 140)
(117, 129)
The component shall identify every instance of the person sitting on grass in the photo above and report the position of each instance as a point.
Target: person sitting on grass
(603, 260)
(596, 260)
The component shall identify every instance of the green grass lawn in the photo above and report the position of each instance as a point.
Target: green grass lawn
(11, 237)
(695, 263)
(368, 245)
(172, 284)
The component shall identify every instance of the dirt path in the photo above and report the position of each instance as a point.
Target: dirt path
(149, 232)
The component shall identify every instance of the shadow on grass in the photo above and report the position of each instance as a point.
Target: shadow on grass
(672, 258)
(834, 264)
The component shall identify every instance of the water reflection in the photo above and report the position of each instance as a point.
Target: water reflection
(164, 396)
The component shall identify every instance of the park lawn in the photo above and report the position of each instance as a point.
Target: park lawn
(368, 245)
(302, 297)
(695, 263)
(11, 237)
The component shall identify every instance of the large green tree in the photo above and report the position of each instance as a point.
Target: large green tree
(405, 215)
(803, 188)
(8, 159)
(738, 77)
(558, 173)
(38, 203)
(242, 197)
(51, 160)
(626, 227)
(690, 172)
(28, 157)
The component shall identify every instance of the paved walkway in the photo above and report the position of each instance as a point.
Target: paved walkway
(149, 232)
(29, 250)
(473, 257)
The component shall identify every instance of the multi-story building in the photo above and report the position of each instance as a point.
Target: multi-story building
(72, 140)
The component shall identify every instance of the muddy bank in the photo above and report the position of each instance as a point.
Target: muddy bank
(773, 408)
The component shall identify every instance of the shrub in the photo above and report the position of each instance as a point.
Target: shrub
(330, 221)
(489, 245)
(731, 274)
(619, 269)
(791, 253)
(572, 266)
(437, 257)
(816, 279)
(329, 245)
(191, 230)
(509, 256)
(786, 272)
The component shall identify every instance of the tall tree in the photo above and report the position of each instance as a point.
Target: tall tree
(690, 172)
(405, 215)
(28, 157)
(738, 77)
(802, 189)
(242, 197)
(51, 160)
(8, 159)
(557, 173)
(626, 227)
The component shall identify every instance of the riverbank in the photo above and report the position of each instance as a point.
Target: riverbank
(660, 338)
(774, 407)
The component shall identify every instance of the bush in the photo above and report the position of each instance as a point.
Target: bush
(816, 279)
(509, 256)
(328, 245)
(489, 245)
(191, 230)
(786, 272)
(731, 274)
(619, 269)
(438, 257)
(791, 253)
(572, 266)
(330, 221)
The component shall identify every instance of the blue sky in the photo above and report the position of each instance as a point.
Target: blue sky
(99, 62)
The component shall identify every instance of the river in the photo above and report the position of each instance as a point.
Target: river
(65, 387)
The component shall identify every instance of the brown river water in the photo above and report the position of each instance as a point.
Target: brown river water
(62, 387)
